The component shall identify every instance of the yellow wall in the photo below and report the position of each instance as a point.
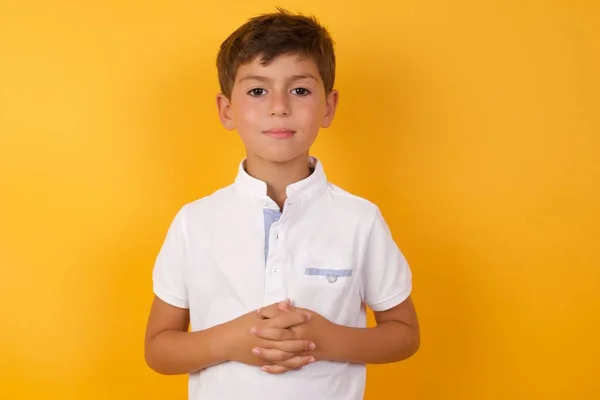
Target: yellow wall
(473, 124)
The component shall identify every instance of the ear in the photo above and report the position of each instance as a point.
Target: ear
(224, 108)
(331, 103)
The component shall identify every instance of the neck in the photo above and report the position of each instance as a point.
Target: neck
(278, 176)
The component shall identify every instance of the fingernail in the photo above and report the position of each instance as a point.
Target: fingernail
(266, 369)
(256, 351)
(308, 317)
(312, 346)
(253, 330)
(311, 360)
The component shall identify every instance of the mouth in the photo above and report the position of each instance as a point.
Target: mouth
(279, 133)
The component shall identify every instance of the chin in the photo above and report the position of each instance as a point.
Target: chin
(280, 157)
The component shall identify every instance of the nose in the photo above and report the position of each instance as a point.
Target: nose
(279, 105)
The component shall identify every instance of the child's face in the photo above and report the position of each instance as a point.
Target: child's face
(279, 108)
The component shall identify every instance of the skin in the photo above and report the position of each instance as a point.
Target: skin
(287, 95)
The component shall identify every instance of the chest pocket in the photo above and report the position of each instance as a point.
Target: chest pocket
(327, 272)
(327, 284)
(331, 275)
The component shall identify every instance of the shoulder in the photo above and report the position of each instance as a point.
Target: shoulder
(204, 208)
(352, 204)
(210, 202)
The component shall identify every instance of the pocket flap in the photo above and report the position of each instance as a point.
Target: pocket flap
(328, 272)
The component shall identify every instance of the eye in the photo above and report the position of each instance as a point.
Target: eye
(301, 91)
(256, 92)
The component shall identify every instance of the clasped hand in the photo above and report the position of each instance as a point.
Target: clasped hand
(285, 337)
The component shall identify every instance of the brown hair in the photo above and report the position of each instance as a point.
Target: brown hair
(270, 35)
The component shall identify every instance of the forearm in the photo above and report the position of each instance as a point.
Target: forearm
(175, 352)
(388, 342)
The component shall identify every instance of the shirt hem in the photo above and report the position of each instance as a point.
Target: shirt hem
(393, 301)
(169, 298)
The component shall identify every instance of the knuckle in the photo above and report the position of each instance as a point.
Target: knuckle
(289, 365)
(281, 335)
(301, 361)
(296, 346)
(289, 347)
(299, 316)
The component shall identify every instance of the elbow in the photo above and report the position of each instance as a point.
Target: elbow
(416, 344)
(155, 362)
(411, 344)
(158, 367)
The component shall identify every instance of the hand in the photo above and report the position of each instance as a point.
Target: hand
(285, 351)
(316, 330)
(279, 349)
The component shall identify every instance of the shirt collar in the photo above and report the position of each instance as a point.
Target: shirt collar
(299, 194)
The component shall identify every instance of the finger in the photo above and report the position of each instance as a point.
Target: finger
(265, 332)
(268, 312)
(276, 369)
(288, 319)
(295, 346)
(282, 351)
(259, 314)
(273, 310)
(289, 346)
(272, 355)
(286, 305)
(294, 363)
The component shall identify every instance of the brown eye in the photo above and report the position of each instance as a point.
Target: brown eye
(256, 92)
(301, 91)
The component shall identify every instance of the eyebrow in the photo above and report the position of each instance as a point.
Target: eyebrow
(266, 79)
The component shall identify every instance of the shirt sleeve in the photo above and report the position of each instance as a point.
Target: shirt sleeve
(168, 275)
(386, 275)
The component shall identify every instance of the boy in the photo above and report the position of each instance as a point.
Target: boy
(273, 273)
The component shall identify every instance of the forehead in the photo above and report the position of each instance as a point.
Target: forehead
(280, 67)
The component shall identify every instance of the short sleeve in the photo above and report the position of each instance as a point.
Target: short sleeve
(386, 275)
(168, 275)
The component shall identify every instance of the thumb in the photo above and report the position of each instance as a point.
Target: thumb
(286, 305)
(273, 310)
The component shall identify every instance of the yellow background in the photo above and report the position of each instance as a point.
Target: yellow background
(473, 124)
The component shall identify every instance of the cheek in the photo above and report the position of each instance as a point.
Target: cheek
(312, 114)
(246, 112)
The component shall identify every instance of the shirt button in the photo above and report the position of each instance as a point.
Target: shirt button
(275, 270)
(331, 278)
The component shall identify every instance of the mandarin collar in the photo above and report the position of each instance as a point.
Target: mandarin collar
(299, 194)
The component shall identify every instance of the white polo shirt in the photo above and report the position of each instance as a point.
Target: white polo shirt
(233, 251)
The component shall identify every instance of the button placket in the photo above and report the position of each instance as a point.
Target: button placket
(274, 277)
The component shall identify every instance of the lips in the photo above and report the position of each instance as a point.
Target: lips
(279, 133)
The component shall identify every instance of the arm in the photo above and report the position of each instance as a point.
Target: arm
(396, 337)
(170, 349)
